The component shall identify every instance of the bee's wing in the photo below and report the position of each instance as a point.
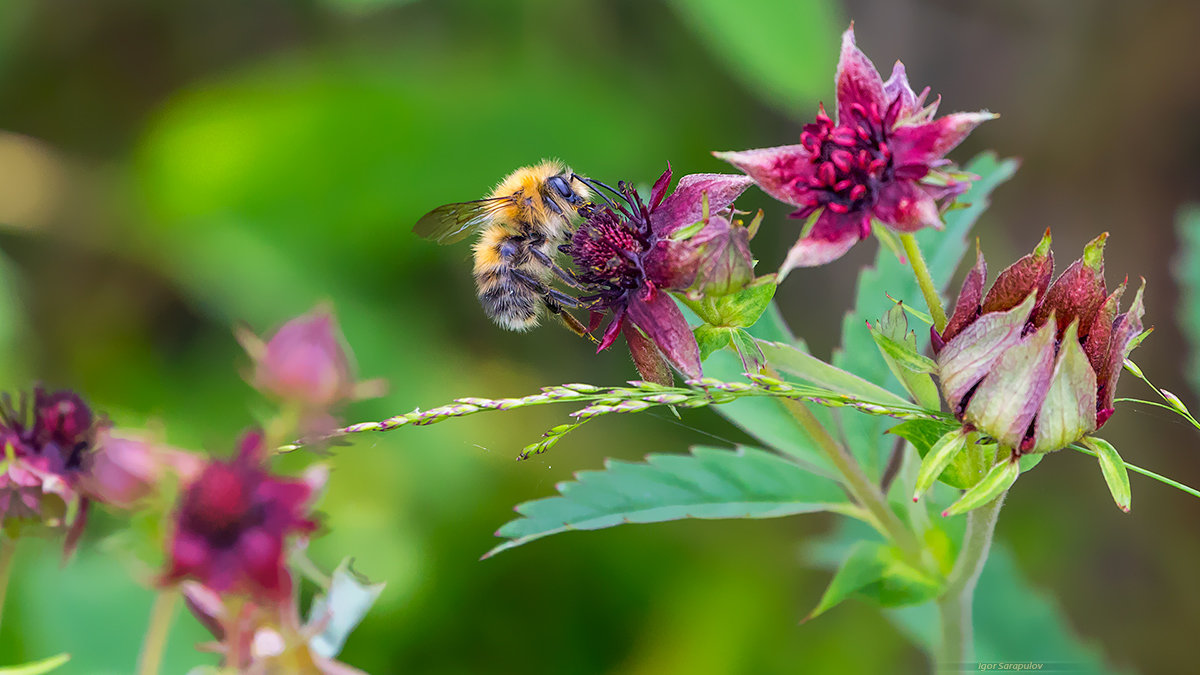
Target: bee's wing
(453, 222)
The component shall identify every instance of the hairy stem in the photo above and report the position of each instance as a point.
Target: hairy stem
(155, 642)
(956, 603)
(921, 270)
(8, 549)
(861, 488)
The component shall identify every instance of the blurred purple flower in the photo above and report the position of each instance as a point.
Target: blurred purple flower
(231, 523)
(882, 158)
(1035, 364)
(127, 467)
(307, 364)
(47, 446)
(628, 254)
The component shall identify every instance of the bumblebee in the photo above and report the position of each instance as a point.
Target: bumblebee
(521, 226)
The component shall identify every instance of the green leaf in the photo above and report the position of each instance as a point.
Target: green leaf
(998, 479)
(783, 51)
(766, 419)
(347, 601)
(943, 250)
(36, 667)
(877, 572)
(794, 361)
(898, 345)
(711, 339)
(710, 483)
(1113, 469)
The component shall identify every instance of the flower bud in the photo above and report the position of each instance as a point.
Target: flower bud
(306, 361)
(1034, 364)
(128, 467)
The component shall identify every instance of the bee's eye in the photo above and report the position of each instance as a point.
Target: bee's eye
(560, 186)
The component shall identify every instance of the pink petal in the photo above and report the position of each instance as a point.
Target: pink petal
(660, 188)
(610, 332)
(782, 172)
(897, 88)
(686, 204)
(830, 238)
(660, 318)
(857, 80)
(906, 207)
(966, 309)
(924, 143)
(261, 556)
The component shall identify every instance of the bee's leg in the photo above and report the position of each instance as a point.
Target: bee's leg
(556, 301)
(566, 275)
(568, 319)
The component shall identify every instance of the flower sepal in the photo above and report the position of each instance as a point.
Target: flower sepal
(1116, 476)
(997, 480)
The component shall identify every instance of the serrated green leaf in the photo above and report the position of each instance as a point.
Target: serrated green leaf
(943, 251)
(36, 667)
(710, 483)
(1113, 468)
(916, 379)
(903, 354)
(878, 573)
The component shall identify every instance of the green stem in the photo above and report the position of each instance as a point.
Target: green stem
(921, 270)
(956, 602)
(155, 642)
(8, 549)
(861, 488)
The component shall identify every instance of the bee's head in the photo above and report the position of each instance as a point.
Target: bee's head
(560, 186)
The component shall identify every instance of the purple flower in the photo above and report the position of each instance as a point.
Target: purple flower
(1031, 363)
(231, 523)
(629, 254)
(881, 158)
(47, 446)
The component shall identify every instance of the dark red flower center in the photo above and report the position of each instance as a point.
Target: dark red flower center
(608, 250)
(58, 429)
(219, 505)
(853, 160)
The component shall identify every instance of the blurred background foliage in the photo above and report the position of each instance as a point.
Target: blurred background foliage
(169, 169)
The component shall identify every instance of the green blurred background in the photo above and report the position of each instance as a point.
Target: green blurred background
(170, 168)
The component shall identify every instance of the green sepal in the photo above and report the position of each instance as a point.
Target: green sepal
(1113, 468)
(965, 468)
(877, 572)
(938, 458)
(1001, 477)
(711, 339)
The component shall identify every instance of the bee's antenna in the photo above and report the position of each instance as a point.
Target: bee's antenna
(588, 183)
(597, 185)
